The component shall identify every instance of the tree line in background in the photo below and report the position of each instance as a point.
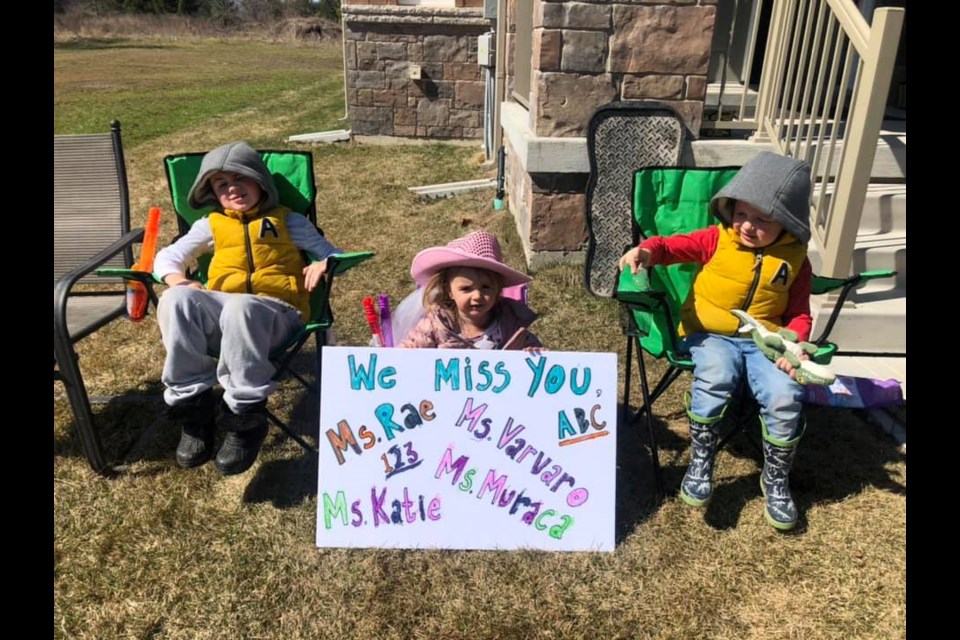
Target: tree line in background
(225, 11)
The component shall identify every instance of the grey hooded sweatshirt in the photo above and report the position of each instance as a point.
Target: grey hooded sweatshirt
(237, 157)
(777, 185)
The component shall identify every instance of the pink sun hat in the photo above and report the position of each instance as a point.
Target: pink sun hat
(479, 249)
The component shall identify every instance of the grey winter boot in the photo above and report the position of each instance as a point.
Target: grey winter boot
(780, 509)
(245, 433)
(696, 489)
(196, 419)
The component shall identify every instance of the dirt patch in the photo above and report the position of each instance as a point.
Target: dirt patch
(306, 29)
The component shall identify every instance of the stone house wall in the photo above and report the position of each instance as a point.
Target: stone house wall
(587, 53)
(384, 41)
(626, 50)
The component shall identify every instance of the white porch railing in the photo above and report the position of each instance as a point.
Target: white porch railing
(823, 90)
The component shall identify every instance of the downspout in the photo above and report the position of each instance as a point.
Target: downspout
(500, 87)
(343, 40)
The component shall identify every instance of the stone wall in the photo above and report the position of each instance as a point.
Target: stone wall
(588, 53)
(548, 209)
(602, 51)
(393, 3)
(585, 53)
(518, 190)
(384, 42)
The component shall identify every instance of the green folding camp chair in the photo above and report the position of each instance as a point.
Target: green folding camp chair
(666, 201)
(293, 175)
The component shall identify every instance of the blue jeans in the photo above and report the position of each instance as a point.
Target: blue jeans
(721, 362)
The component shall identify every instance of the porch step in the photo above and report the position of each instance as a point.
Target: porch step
(874, 318)
(884, 209)
(868, 367)
(871, 326)
(873, 252)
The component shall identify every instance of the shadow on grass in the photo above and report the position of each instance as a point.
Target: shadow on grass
(838, 456)
(636, 488)
(130, 427)
(134, 430)
(287, 482)
(284, 483)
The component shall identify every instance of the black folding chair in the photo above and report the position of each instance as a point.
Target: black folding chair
(91, 229)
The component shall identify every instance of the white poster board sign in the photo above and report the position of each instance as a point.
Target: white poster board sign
(467, 449)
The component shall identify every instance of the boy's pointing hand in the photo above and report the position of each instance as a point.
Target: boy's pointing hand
(636, 259)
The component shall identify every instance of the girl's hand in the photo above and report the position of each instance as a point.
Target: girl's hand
(534, 351)
(313, 274)
(636, 259)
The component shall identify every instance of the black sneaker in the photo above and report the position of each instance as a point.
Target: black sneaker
(245, 433)
(196, 417)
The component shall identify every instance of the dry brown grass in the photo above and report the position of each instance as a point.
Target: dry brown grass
(79, 26)
(164, 553)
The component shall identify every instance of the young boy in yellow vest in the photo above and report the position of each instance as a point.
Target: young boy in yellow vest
(754, 260)
(256, 297)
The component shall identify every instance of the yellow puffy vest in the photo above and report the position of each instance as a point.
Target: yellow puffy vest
(738, 277)
(253, 253)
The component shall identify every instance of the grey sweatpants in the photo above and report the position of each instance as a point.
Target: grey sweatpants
(198, 326)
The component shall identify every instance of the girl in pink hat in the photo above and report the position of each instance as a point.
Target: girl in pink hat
(463, 283)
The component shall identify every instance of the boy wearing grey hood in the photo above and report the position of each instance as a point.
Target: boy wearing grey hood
(754, 260)
(256, 297)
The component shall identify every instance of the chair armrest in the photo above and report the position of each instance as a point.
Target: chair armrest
(647, 316)
(321, 314)
(61, 290)
(823, 284)
(635, 290)
(129, 274)
(343, 262)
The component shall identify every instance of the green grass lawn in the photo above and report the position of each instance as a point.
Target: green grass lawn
(159, 552)
(157, 88)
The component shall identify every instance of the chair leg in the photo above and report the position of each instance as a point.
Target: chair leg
(727, 437)
(283, 368)
(283, 427)
(647, 410)
(625, 410)
(668, 378)
(321, 343)
(299, 378)
(72, 379)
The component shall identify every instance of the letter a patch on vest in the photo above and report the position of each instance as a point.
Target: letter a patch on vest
(267, 227)
(782, 274)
